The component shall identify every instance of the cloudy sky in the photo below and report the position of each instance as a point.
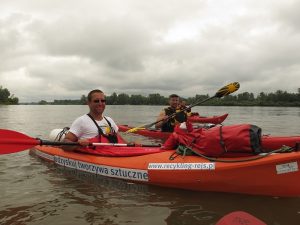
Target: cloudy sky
(61, 49)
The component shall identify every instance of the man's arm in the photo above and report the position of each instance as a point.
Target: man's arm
(162, 116)
(70, 137)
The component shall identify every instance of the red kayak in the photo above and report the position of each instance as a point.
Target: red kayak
(152, 133)
(213, 119)
(239, 218)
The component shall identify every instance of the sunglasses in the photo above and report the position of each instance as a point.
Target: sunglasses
(100, 100)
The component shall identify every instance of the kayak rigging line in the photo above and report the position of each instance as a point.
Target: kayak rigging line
(184, 150)
(61, 135)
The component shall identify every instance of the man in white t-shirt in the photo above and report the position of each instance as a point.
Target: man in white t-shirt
(92, 124)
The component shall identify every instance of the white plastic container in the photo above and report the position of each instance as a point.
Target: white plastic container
(58, 134)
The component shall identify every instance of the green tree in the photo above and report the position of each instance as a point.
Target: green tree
(42, 102)
(4, 94)
(138, 100)
(156, 99)
(123, 99)
(6, 98)
(245, 96)
(83, 100)
(13, 100)
(113, 99)
(262, 96)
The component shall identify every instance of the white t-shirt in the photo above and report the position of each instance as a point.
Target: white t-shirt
(84, 127)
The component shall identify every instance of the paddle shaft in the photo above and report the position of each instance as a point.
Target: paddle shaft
(54, 143)
(182, 110)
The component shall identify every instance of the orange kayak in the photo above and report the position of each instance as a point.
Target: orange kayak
(274, 175)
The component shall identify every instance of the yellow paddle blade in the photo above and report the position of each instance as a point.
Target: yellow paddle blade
(135, 129)
(228, 89)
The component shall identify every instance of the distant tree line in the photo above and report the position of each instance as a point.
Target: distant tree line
(6, 98)
(279, 98)
(81, 101)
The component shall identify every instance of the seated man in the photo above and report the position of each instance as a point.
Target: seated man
(92, 124)
(167, 123)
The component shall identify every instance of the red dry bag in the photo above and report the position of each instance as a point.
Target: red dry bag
(218, 141)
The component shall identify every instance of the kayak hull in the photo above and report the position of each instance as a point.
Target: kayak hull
(274, 175)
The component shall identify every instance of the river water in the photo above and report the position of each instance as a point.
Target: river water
(36, 192)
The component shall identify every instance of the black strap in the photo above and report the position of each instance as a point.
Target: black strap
(109, 124)
(222, 143)
(100, 131)
(99, 128)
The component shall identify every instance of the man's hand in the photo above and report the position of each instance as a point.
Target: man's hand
(165, 119)
(83, 142)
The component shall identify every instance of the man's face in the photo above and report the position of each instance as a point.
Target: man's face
(174, 102)
(97, 103)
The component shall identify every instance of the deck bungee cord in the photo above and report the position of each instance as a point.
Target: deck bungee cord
(184, 150)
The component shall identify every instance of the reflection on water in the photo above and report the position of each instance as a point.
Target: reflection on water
(36, 192)
(84, 198)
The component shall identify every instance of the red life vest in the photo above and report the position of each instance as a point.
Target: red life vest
(235, 140)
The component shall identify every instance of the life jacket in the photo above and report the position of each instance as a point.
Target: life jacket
(178, 118)
(226, 141)
(112, 137)
(188, 110)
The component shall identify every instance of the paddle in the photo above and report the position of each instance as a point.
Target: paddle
(13, 141)
(239, 218)
(226, 90)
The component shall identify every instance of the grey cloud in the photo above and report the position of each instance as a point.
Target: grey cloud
(114, 43)
(288, 16)
(58, 51)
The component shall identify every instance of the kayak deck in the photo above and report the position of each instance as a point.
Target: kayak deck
(213, 119)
